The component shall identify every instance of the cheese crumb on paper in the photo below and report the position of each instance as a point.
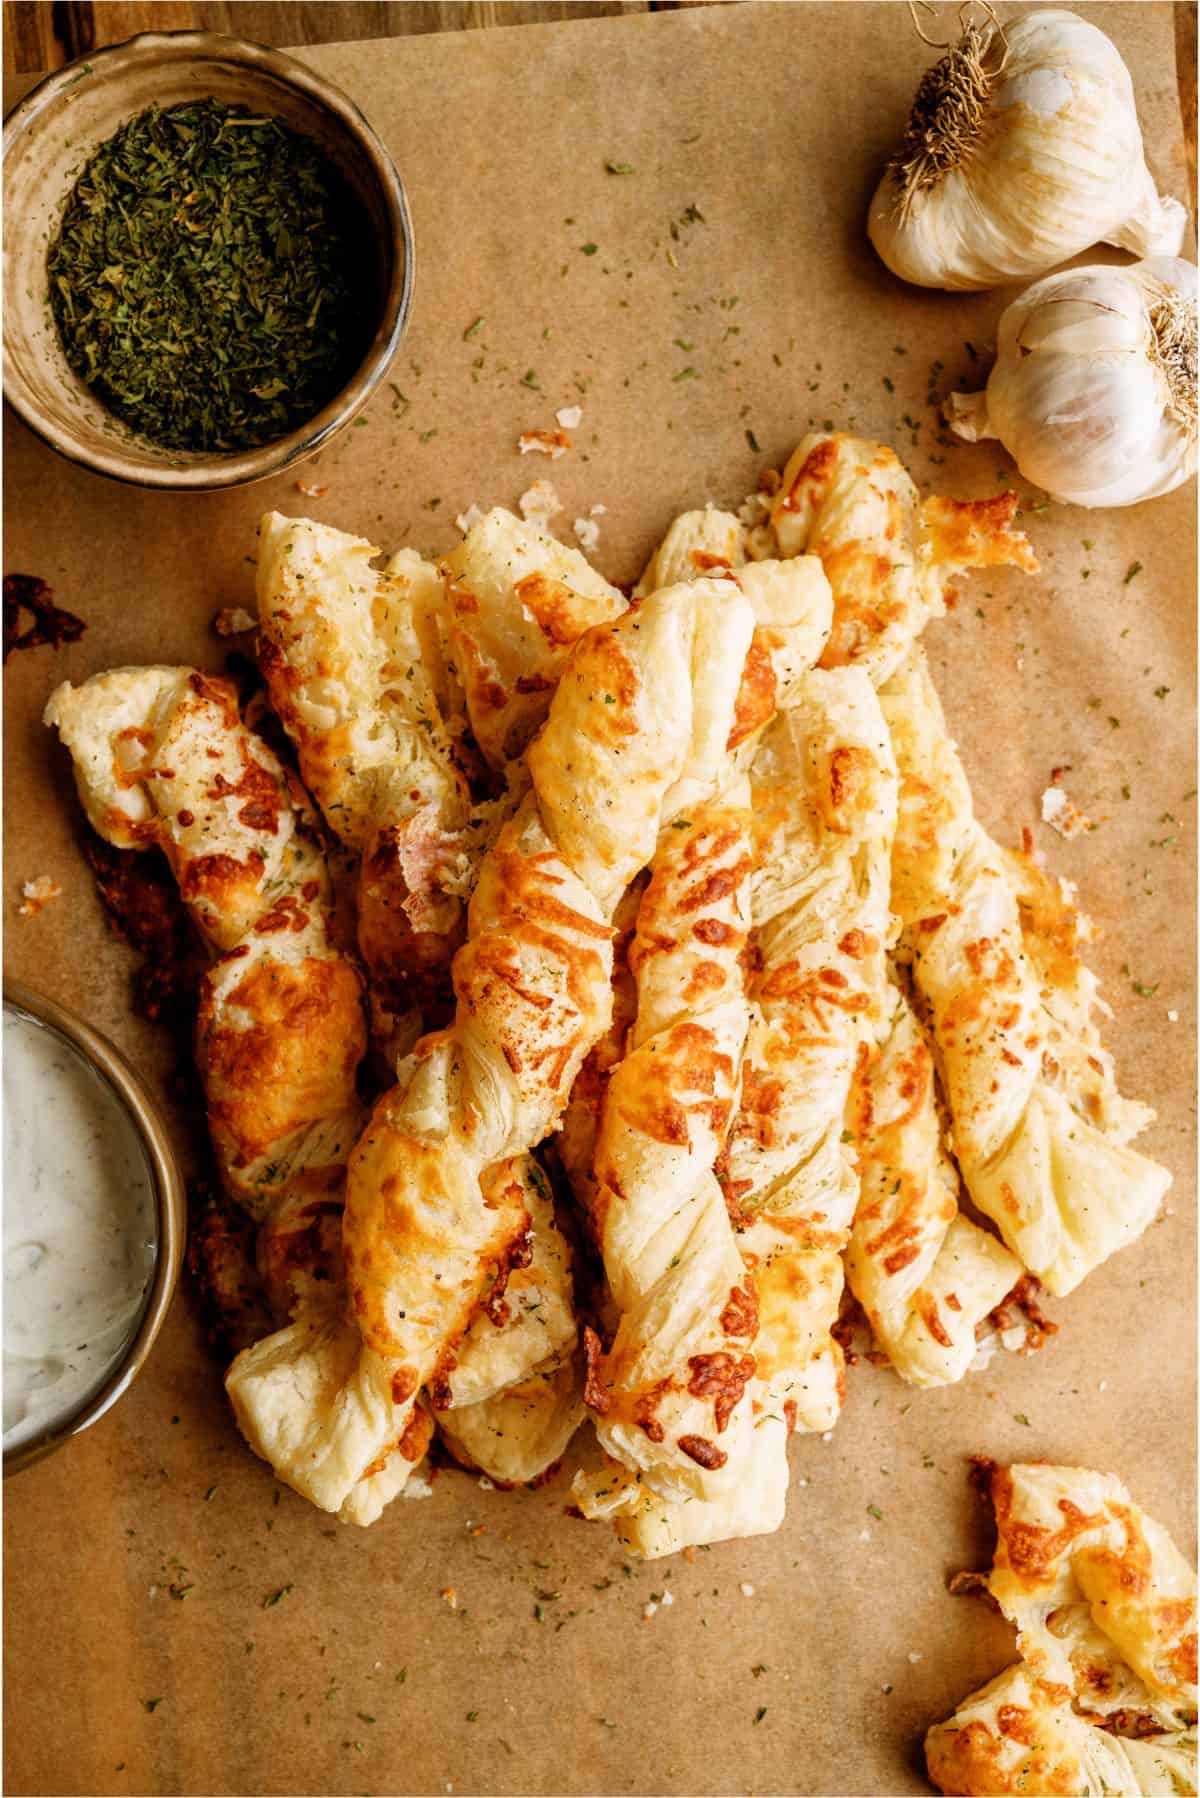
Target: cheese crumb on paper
(539, 504)
(569, 417)
(1062, 815)
(587, 534)
(544, 443)
(231, 621)
(37, 894)
(466, 521)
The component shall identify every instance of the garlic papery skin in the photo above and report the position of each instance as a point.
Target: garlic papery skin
(1093, 393)
(1022, 150)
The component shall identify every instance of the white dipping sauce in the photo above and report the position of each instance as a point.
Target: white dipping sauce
(79, 1228)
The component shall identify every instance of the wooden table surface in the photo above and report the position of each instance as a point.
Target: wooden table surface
(44, 34)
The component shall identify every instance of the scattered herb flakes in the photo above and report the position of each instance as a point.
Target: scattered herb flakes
(588, 249)
(683, 344)
(401, 399)
(889, 383)
(364, 1717)
(1145, 992)
(758, 1668)
(1131, 573)
(426, 435)
(210, 1495)
(529, 379)
(752, 440)
(362, 423)
(473, 330)
(175, 1590)
(274, 1598)
(1161, 692)
(687, 374)
(151, 1704)
(760, 1713)
(472, 1716)
(875, 1512)
(692, 215)
(1020, 1417)
(619, 168)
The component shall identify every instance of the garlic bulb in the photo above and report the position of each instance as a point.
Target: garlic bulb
(1022, 149)
(1094, 390)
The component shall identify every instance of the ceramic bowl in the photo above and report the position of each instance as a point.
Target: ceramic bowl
(47, 138)
(170, 1202)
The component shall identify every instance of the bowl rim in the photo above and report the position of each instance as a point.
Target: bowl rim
(237, 468)
(170, 1200)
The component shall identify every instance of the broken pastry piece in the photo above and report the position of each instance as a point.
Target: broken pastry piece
(890, 557)
(516, 601)
(1103, 1700)
(1019, 1735)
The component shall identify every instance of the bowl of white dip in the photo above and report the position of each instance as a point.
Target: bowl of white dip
(95, 1219)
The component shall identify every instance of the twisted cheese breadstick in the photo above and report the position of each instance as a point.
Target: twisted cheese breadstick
(670, 1396)
(637, 726)
(162, 759)
(1042, 1155)
(362, 667)
(341, 651)
(924, 1274)
(824, 793)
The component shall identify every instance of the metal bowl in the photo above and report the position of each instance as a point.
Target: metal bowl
(170, 1200)
(47, 138)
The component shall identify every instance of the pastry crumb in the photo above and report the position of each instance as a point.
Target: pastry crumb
(232, 621)
(37, 894)
(311, 489)
(539, 504)
(466, 521)
(450, 1596)
(569, 417)
(587, 534)
(1062, 815)
(747, 1589)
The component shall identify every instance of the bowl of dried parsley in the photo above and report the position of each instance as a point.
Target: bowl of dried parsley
(208, 261)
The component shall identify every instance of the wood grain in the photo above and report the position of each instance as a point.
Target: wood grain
(44, 34)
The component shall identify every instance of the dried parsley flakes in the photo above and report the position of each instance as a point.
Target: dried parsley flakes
(210, 279)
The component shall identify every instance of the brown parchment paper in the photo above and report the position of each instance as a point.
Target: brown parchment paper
(812, 1661)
